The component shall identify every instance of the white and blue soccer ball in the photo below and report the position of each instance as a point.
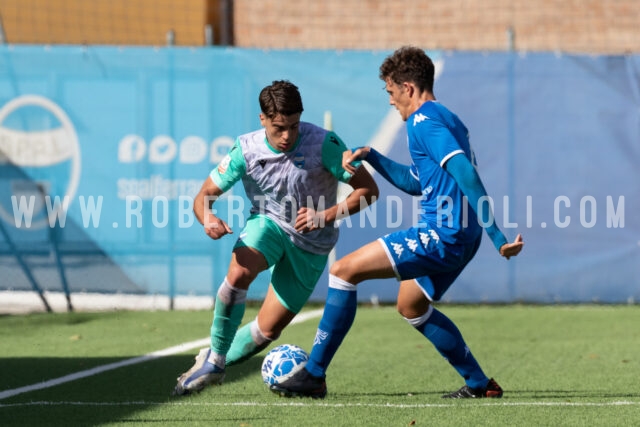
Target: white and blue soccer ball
(282, 362)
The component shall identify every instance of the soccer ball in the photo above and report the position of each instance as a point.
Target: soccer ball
(282, 362)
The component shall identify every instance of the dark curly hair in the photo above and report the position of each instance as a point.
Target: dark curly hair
(409, 64)
(281, 97)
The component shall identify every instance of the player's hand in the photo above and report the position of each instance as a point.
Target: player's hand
(512, 249)
(308, 220)
(349, 157)
(215, 228)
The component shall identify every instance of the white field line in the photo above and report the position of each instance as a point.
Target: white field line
(310, 403)
(180, 348)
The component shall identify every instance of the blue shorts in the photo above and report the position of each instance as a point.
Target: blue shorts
(418, 253)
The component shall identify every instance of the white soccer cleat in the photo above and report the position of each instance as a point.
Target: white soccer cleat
(201, 374)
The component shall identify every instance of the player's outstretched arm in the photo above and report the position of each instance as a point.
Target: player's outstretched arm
(471, 185)
(397, 174)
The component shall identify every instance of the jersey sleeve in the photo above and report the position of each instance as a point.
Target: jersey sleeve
(467, 178)
(332, 149)
(442, 144)
(400, 176)
(231, 169)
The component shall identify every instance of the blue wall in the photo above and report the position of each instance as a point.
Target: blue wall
(558, 136)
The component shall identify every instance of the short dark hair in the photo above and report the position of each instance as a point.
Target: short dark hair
(280, 97)
(409, 64)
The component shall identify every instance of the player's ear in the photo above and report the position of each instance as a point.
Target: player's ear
(263, 119)
(409, 88)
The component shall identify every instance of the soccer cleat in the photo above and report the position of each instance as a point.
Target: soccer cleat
(201, 374)
(491, 390)
(301, 384)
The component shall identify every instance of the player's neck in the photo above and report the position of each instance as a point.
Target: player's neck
(425, 96)
(420, 98)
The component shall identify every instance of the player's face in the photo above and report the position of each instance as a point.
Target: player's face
(399, 98)
(282, 131)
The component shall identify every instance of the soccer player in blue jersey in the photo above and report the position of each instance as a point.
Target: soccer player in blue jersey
(427, 258)
(290, 171)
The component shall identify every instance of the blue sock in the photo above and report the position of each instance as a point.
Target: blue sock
(446, 337)
(339, 312)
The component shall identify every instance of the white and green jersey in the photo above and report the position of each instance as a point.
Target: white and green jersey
(279, 183)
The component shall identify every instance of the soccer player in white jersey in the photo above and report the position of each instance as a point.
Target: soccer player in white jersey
(427, 258)
(290, 171)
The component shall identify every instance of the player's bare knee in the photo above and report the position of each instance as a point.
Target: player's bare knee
(405, 311)
(341, 269)
(239, 276)
(415, 318)
(412, 311)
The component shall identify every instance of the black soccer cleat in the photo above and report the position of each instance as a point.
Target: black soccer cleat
(301, 384)
(491, 390)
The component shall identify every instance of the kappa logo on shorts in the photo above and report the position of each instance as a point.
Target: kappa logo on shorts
(397, 248)
(413, 245)
(426, 238)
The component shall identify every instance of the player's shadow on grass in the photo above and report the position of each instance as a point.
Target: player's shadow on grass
(508, 394)
(113, 395)
(248, 367)
(422, 394)
(569, 394)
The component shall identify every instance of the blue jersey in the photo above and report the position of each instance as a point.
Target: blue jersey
(435, 134)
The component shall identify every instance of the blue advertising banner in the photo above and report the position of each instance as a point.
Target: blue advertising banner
(102, 150)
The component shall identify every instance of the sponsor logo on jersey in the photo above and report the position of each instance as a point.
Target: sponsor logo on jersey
(262, 163)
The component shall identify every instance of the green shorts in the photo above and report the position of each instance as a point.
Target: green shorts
(294, 271)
